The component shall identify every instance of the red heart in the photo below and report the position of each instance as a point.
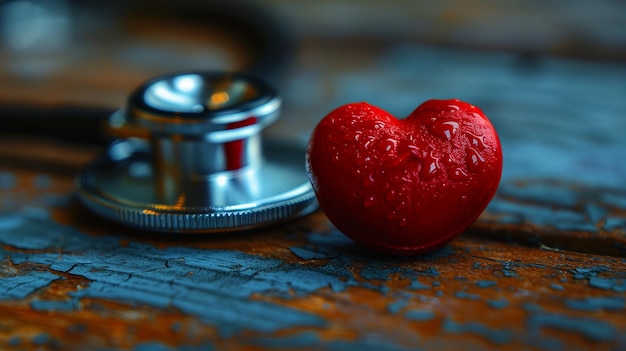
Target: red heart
(404, 186)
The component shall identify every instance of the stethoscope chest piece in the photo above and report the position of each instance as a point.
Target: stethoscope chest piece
(190, 158)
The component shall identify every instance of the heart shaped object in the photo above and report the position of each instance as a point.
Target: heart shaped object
(405, 186)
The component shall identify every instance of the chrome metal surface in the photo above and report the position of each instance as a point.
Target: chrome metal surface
(193, 159)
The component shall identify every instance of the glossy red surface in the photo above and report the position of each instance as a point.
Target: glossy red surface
(405, 186)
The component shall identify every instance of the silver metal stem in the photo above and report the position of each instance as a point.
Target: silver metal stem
(201, 165)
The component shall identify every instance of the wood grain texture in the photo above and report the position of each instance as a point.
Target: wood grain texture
(71, 280)
(542, 269)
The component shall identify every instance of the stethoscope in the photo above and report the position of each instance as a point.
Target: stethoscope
(190, 158)
(188, 154)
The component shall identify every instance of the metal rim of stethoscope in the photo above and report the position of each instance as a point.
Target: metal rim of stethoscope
(191, 158)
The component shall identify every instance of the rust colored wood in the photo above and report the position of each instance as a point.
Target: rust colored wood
(71, 281)
(543, 268)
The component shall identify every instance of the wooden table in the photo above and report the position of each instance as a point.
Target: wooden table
(543, 268)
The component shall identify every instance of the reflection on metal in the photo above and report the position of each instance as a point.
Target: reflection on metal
(192, 159)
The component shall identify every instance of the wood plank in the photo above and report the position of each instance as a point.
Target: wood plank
(543, 267)
(299, 284)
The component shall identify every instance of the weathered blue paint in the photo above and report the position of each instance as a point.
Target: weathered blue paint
(609, 303)
(543, 214)
(10, 221)
(506, 272)
(20, 286)
(217, 293)
(615, 223)
(592, 328)
(14, 341)
(307, 254)
(443, 252)
(381, 270)
(486, 283)
(152, 346)
(41, 339)
(417, 285)
(498, 304)
(477, 265)
(548, 343)
(333, 244)
(397, 306)
(557, 287)
(615, 199)
(612, 283)
(595, 212)
(531, 307)
(544, 193)
(371, 342)
(215, 285)
(467, 295)
(498, 336)
(49, 305)
(211, 284)
(419, 315)
(306, 339)
(588, 272)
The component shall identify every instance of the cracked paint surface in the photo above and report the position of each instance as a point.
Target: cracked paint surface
(543, 268)
(318, 290)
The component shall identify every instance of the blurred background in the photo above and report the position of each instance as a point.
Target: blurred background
(550, 74)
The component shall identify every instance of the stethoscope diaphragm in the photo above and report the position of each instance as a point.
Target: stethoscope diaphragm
(191, 158)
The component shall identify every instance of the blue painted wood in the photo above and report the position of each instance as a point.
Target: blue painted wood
(237, 292)
(543, 268)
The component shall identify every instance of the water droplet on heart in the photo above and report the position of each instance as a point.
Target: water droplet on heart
(443, 186)
(356, 171)
(454, 107)
(474, 160)
(360, 160)
(368, 181)
(457, 174)
(415, 151)
(444, 129)
(335, 158)
(388, 146)
(367, 143)
(369, 124)
(464, 198)
(476, 141)
(369, 201)
(430, 168)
